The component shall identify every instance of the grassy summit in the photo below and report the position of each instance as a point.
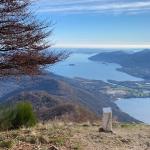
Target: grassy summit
(75, 136)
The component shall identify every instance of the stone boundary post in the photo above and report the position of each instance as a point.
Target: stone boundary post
(107, 119)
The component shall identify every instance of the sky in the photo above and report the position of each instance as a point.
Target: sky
(97, 23)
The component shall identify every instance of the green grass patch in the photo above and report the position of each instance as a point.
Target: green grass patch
(6, 144)
(127, 125)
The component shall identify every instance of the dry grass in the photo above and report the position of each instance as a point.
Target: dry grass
(73, 136)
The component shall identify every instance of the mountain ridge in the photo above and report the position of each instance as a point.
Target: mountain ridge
(71, 91)
(136, 64)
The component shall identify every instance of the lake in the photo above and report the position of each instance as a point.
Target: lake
(78, 65)
(138, 108)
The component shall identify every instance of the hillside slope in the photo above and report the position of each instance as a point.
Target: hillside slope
(137, 64)
(48, 107)
(69, 90)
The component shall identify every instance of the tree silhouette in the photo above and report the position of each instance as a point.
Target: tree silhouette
(23, 40)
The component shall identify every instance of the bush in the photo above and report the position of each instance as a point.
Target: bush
(6, 144)
(14, 117)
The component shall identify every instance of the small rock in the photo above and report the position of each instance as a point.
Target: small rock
(102, 130)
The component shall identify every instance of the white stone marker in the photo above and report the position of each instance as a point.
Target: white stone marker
(107, 119)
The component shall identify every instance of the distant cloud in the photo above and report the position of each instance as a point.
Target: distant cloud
(94, 6)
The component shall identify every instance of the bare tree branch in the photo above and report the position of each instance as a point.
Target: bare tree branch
(23, 40)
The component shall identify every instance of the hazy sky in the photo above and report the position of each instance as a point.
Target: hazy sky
(98, 23)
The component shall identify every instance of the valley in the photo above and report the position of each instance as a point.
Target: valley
(73, 85)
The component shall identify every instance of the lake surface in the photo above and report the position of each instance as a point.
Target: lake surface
(138, 108)
(78, 65)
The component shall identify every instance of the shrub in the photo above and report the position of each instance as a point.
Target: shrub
(6, 144)
(24, 115)
(20, 115)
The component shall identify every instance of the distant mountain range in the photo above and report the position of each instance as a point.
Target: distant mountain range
(58, 95)
(136, 64)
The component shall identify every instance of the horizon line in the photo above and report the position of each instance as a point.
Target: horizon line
(103, 46)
